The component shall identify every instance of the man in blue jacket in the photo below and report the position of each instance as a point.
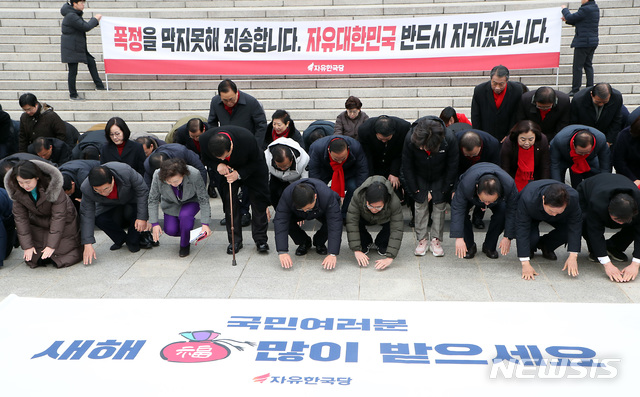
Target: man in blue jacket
(585, 41)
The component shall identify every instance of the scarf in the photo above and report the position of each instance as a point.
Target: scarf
(228, 136)
(274, 134)
(543, 113)
(526, 165)
(580, 164)
(499, 97)
(475, 159)
(337, 180)
(120, 147)
(114, 193)
(197, 145)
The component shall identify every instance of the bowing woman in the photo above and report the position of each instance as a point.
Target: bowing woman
(46, 220)
(525, 154)
(180, 191)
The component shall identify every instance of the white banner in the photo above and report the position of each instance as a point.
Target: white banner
(73, 347)
(517, 39)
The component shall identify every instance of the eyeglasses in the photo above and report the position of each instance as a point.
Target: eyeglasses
(544, 107)
(103, 190)
(115, 134)
(377, 208)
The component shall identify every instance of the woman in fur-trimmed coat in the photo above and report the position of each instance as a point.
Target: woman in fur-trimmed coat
(45, 217)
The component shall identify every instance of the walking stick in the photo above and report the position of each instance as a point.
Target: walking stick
(233, 235)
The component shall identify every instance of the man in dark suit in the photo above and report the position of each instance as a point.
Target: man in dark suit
(114, 196)
(303, 200)
(51, 149)
(237, 157)
(484, 185)
(548, 108)
(171, 151)
(476, 147)
(581, 149)
(558, 205)
(599, 107)
(495, 102)
(611, 201)
(340, 160)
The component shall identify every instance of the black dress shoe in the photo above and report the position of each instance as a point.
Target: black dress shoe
(223, 221)
(532, 253)
(115, 247)
(492, 254)
(230, 248)
(471, 252)
(321, 249)
(133, 248)
(617, 255)
(478, 223)
(412, 222)
(263, 248)
(184, 251)
(547, 253)
(211, 190)
(303, 248)
(592, 257)
(245, 220)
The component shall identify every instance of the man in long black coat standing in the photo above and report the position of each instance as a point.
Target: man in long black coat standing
(234, 153)
(73, 44)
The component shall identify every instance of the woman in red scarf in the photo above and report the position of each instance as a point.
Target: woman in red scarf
(525, 154)
(281, 126)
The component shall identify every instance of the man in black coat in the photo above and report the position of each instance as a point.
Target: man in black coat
(382, 139)
(340, 160)
(611, 201)
(558, 205)
(73, 44)
(94, 139)
(484, 185)
(476, 146)
(114, 196)
(74, 173)
(234, 107)
(51, 149)
(171, 151)
(581, 149)
(236, 155)
(548, 108)
(316, 130)
(308, 199)
(599, 107)
(585, 41)
(494, 104)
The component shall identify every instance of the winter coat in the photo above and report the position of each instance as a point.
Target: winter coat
(131, 190)
(61, 151)
(355, 166)
(599, 159)
(541, 157)
(181, 136)
(611, 118)
(49, 222)
(595, 194)
(383, 158)
(193, 190)
(89, 138)
(391, 212)
(558, 117)
(490, 152)
(486, 117)
(435, 172)
(44, 123)
(132, 154)
(293, 134)
(327, 128)
(78, 171)
(586, 21)
(247, 113)
(327, 205)
(347, 126)
(73, 42)
(300, 161)
(175, 150)
(626, 155)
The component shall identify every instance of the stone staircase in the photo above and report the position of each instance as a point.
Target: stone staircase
(30, 62)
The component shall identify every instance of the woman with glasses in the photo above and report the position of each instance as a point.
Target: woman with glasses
(351, 119)
(120, 148)
(525, 154)
(46, 220)
(375, 203)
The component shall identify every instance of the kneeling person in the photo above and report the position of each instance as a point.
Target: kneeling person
(558, 205)
(374, 203)
(304, 200)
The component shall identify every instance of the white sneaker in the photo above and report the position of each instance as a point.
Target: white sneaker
(421, 249)
(436, 247)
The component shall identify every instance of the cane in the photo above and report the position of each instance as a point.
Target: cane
(233, 236)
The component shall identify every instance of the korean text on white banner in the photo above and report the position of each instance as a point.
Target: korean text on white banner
(522, 39)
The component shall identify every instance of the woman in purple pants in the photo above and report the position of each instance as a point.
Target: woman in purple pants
(180, 191)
